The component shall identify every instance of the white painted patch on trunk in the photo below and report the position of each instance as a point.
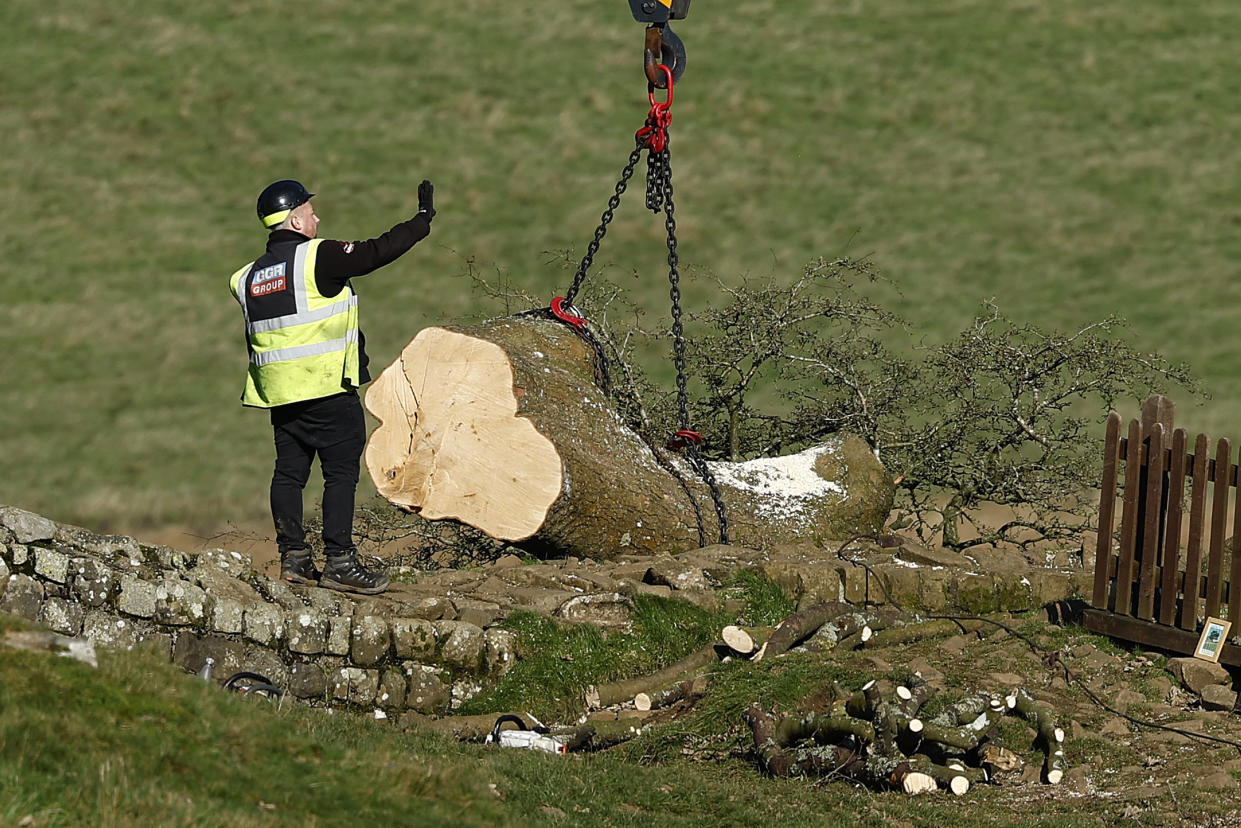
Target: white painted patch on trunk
(781, 486)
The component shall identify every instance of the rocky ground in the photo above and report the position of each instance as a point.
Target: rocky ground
(1151, 738)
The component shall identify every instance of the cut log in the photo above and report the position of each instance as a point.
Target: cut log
(1050, 734)
(687, 669)
(745, 641)
(654, 699)
(800, 626)
(501, 426)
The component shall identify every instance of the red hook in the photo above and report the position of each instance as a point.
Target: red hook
(682, 438)
(567, 315)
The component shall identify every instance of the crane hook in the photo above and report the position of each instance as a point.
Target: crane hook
(663, 47)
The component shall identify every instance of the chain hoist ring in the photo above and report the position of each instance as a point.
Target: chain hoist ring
(569, 315)
(654, 134)
(684, 437)
(651, 87)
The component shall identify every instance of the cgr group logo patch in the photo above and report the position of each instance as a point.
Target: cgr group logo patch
(270, 279)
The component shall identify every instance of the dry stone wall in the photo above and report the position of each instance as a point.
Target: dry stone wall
(324, 647)
(428, 646)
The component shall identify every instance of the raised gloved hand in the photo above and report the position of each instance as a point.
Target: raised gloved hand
(426, 199)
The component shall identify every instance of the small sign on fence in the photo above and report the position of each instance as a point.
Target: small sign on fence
(1214, 634)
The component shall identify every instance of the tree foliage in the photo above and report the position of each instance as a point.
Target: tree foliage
(1002, 413)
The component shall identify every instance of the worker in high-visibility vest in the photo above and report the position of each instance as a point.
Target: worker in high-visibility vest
(307, 360)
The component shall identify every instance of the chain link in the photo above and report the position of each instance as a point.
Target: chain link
(602, 229)
(664, 165)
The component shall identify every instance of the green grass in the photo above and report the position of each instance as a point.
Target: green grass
(137, 741)
(1069, 161)
(558, 662)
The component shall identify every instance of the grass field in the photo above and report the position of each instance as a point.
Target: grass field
(1070, 161)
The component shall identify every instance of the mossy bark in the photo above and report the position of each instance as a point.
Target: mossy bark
(596, 489)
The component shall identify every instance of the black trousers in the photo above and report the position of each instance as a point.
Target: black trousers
(334, 430)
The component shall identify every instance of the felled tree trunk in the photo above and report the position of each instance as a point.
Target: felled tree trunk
(502, 427)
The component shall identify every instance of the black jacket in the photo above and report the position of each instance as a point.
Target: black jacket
(339, 261)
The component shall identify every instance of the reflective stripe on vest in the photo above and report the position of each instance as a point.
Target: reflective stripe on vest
(299, 351)
(304, 355)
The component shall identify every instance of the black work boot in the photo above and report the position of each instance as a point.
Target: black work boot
(297, 567)
(344, 572)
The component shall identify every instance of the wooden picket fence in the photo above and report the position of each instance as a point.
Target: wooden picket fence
(1156, 586)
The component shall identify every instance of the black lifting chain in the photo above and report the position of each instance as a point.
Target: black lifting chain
(659, 196)
(602, 229)
(603, 374)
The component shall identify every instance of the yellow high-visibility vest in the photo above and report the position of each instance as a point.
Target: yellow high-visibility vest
(303, 345)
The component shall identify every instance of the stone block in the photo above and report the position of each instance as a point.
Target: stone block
(434, 608)
(784, 575)
(479, 613)
(109, 631)
(4, 577)
(307, 680)
(1049, 586)
(136, 597)
(264, 624)
(857, 584)
(975, 594)
(166, 557)
(267, 663)
(1197, 673)
(340, 631)
(23, 596)
(222, 584)
(228, 616)
(62, 616)
(461, 644)
(903, 583)
(180, 603)
(705, 599)
(501, 651)
(372, 640)
(19, 556)
(353, 685)
(27, 527)
(191, 650)
(93, 584)
(426, 691)
(327, 601)
(414, 638)
(536, 599)
(610, 610)
(280, 593)
(392, 689)
(934, 587)
(151, 639)
(307, 631)
(237, 563)
(96, 545)
(823, 582)
(1218, 697)
(676, 574)
(51, 565)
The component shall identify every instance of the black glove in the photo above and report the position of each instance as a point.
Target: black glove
(426, 199)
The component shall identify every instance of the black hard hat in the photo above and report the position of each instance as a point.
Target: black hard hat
(278, 200)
